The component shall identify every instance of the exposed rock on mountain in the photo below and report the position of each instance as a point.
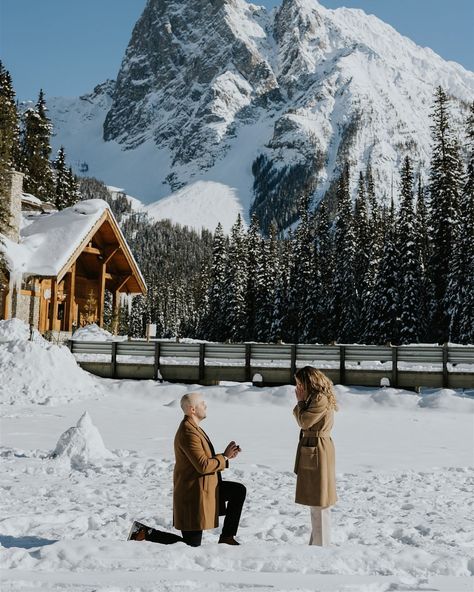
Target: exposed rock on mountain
(267, 103)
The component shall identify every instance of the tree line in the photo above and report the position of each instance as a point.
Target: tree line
(363, 271)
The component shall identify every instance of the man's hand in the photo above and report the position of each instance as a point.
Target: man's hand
(299, 392)
(232, 450)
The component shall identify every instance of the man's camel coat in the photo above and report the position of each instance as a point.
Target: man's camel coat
(196, 478)
(315, 457)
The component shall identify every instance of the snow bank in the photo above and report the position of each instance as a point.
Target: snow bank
(449, 400)
(37, 371)
(92, 332)
(81, 444)
(15, 329)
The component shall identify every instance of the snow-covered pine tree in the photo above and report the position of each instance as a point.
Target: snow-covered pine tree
(254, 251)
(270, 277)
(459, 300)
(424, 250)
(236, 283)
(445, 186)
(344, 310)
(383, 311)
(410, 264)
(61, 193)
(214, 322)
(282, 328)
(363, 249)
(35, 151)
(138, 317)
(9, 148)
(67, 191)
(324, 247)
(304, 290)
(9, 126)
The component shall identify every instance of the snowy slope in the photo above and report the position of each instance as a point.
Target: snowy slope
(206, 88)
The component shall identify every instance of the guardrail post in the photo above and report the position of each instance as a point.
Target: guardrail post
(342, 364)
(248, 356)
(445, 366)
(202, 354)
(394, 366)
(114, 359)
(156, 366)
(293, 363)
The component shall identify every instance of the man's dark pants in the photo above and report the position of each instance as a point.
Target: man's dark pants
(231, 500)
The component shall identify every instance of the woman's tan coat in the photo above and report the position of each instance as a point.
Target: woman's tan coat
(195, 493)
(315, 457)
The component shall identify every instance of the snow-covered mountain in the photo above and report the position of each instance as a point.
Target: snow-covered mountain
(220, 105)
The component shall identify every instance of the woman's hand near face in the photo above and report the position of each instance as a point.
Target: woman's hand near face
(299, 392)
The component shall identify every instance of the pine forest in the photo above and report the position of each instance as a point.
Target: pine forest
(371, 270)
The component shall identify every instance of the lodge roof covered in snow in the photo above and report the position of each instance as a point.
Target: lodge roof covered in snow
(50, 243)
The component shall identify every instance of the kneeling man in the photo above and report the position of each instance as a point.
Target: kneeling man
(200, 495)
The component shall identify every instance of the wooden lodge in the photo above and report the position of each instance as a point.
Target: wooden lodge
(62, 262)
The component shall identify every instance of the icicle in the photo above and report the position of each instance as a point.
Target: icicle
(126, 299)
(14, 287)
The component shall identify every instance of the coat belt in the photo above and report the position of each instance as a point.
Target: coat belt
(310, 434)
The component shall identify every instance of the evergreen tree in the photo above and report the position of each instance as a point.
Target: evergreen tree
(344, 309)
(236, 283)
(445, 185)
(324, 326)
(459, 299)
(423, 244)
(9, 127)
(254, 252)
(269, 273)
(363, 249)
(303, 288)
(67, 191)
(36, 151)
(383, 309)
(410, 264)
(214, 323)
(9, 138)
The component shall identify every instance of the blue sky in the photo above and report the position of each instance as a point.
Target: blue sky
(68, 46)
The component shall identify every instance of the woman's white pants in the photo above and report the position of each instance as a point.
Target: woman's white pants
(321, 526)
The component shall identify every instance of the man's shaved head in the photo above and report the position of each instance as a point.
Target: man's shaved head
(190, 400)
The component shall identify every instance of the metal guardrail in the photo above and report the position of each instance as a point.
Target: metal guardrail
(406, 366)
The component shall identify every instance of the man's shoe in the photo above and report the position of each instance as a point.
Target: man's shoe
(137, 532)
(228, 540)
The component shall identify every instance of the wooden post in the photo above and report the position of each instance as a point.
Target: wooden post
(54, 304)
(293, 363)
(115, 312)
(114, 359)
(248, 357)
(103, 270)
(445, 366)
(72, 298)
(156, 368)
(394, 366)
(202, 354)
(342, 364)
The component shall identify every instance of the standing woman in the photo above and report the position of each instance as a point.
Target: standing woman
(315, 456)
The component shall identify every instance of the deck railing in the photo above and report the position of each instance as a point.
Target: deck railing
(407, 366)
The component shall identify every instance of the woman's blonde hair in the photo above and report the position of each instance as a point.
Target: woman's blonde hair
(317, 384)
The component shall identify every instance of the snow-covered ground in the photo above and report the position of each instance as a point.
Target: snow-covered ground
(72, 483)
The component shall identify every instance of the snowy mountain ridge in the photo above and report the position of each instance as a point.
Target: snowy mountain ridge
(218, 101)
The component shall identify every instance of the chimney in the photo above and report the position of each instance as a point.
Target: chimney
(14, 190)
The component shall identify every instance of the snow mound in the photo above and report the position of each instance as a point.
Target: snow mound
(12, 329)
(90, 206)
(92, 332)
(37, 371)
(447, 399)
(82, 444)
